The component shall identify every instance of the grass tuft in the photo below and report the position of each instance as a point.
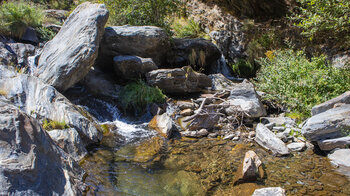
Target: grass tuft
(51, 125)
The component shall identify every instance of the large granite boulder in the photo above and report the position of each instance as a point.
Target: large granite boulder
(68, 57)
(201, 54)
(342, 99)
(30, 162)
(179, 80)
(243, 98)
(265, 138)
(330, 124)
(42, 101)
(144, 41)
(133, 67)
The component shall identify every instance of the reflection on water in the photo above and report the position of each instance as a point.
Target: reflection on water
(205, 167)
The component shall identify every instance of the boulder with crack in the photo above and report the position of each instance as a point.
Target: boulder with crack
(68, 57)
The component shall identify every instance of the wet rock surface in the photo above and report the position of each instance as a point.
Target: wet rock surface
(31, 163)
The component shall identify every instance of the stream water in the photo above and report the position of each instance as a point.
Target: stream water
(133, 160)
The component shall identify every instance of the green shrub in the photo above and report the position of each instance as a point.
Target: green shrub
(244, 68)
(187, 28)
(325, 20)
(145, 12)
(300, 83)
(45, 34)
(51, 125)
(137, 96)
(15, 17)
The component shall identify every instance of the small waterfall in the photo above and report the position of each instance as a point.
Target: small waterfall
(224, 69)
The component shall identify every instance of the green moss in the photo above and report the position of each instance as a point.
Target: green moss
(51, 125)
(105, 129)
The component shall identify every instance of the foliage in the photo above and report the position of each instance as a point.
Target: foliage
(300, 83)
(146, 12)
(324, 20)
(45, 34)
(51, 125)
(56, 4)
(187, 28)
(15, 17)
(137, 96)
(244, 68)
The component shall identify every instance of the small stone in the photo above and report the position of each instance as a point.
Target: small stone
(235, 138)
(283, 136)
(251, 134)
(270, 125)
(186, 112)
(296, 146)
(270, 191)
(279, 129)
(212, 135)
(230, 136)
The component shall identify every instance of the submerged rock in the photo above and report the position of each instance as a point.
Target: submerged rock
(179, 80)
(133, 67)
(296, 146)
(68, 57)
(30, 162)
(265, 138)
(330, 124)
(342, 99)
(144, 41)
(251, 168)
(195, 134)
(270, 191)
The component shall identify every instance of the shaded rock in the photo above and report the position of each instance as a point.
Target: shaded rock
(330, 124)
(68, 57)
(53, 27)
(270, 191)
(22, 51)
(199, 53)
(296, 146)
(220, 82)
(265, 138)
(278, 121)
(195, 134)
(203, 121)
(30, 162)
(133, 67)
(99, 83)
(283, 136)
(30, 36)
(7, 55)
(179, 80)
(163, 124)
(340, 157)
(344, 98)
(70, 141)
(243, 98)
(42, 101)
(144, 41)
(279, 129)
(331, 144)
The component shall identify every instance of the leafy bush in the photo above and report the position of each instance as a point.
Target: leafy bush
(146, 12)
(56, 4)
(187, 28)
(51, 125)
(325, 20)
(292, 79)
(137, 96)
(45, 34)
(244, 68)
(15, 17)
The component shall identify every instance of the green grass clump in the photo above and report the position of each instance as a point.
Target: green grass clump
(15, 17)
(136, 96)
(292, 79)
(51, 125)
(187, 28)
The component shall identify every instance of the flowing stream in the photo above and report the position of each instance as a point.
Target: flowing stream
(133, 160)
